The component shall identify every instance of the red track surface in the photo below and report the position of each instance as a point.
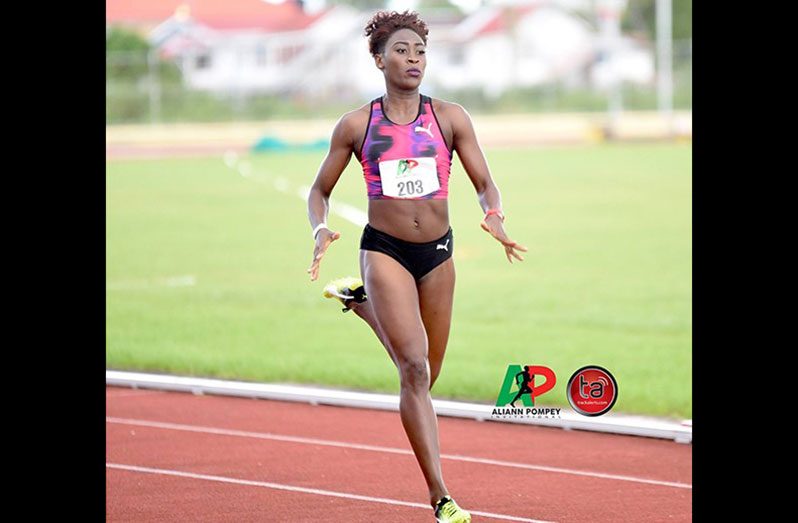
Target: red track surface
(242, 454)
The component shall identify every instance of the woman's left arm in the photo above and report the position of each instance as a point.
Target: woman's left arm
(464, 141)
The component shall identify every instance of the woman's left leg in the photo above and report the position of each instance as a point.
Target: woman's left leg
(436, 298)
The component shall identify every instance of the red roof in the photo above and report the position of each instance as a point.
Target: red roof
(218, 14)
(499, 21)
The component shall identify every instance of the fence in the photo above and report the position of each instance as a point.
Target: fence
(142, 88)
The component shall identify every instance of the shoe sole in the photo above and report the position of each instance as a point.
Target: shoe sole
(459, 521)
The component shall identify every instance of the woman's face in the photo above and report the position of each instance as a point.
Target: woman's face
(404, 59)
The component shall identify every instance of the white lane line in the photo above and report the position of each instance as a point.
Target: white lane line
(303, 191)
(591, 474)
(349, 213)
(181, 281)
(230, 158)
(186, 280)
(346, 211)
(390, 450)
(281, 184)
(245, 169)
(305, 490)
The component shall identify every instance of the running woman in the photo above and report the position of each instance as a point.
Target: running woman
(405, 142)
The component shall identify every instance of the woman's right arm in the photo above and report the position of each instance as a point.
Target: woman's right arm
(341, 147)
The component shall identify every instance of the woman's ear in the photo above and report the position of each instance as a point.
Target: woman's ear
(378, 61)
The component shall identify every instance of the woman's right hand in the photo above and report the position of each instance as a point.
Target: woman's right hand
(323, 241)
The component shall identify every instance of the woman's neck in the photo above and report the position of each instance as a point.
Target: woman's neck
(403, 105)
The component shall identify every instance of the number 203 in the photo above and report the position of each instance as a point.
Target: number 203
(410, 187)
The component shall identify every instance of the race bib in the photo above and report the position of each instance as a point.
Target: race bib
(409, 178)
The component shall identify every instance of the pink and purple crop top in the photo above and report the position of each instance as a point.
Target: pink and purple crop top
(410, 161)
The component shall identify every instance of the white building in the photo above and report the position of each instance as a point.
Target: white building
(248, 46)
(251, 60)
(524, 44)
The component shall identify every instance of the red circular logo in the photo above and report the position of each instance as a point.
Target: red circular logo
(592, 390)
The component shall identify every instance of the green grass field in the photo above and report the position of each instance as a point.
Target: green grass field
(607, 280)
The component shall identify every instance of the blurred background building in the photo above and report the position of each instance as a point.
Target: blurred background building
(233, 60)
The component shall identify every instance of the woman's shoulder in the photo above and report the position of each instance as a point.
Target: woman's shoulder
(451, 111)
(451, 114)
(445, 106)
(356, 118)
(358, 114)
(350, 123)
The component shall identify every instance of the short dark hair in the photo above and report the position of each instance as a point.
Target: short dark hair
(385, 23)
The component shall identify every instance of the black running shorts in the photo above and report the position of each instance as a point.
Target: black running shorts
(417, 258)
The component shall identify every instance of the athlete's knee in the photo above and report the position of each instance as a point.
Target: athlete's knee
(414, 372)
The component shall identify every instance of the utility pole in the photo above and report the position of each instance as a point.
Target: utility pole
(665, 61)
(154, 86)
(609, 17)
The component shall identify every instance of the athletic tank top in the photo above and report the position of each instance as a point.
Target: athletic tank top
(409, 161)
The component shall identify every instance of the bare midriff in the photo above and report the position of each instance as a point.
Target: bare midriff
(410, 220)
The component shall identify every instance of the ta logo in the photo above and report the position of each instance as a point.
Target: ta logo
(592, 390)
(522, 384)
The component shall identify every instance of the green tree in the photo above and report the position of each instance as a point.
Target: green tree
(118, 38)
(131, 69)
(125, 53)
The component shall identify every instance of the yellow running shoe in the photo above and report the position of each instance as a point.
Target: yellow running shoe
(346, 289)
(447, 511)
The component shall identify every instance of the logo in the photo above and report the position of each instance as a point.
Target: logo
(520, 384)
(427, 130)
(405, 166)
(592, 390)
(444, 246)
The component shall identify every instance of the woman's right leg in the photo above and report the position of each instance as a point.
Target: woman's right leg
(366, 313)
(395, 303)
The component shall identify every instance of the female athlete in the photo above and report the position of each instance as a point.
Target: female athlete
(405, 141)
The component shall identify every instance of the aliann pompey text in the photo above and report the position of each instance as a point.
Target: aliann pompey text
(510, 411)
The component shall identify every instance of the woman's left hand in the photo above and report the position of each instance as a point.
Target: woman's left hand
(494, 225)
